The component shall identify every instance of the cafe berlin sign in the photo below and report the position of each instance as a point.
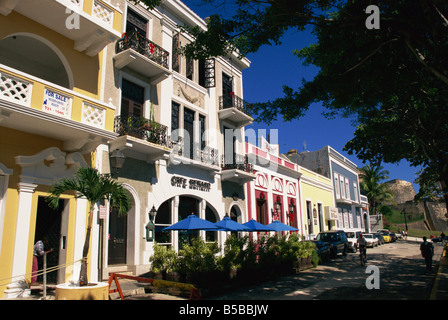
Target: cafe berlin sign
(190, 183)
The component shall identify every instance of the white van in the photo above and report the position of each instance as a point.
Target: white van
(352, 237)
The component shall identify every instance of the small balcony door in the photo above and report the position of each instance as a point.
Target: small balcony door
(133, 97)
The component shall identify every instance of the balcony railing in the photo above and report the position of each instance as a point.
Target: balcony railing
(239, 162)
(28, 91)
(204, 154)
(142, 128)
(233, 101)
(133, 40)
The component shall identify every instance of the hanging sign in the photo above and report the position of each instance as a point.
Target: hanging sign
(102, 212)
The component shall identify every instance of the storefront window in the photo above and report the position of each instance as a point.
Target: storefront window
(210, 236)
(163, 220)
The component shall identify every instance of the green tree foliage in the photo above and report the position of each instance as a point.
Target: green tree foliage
(371, 186)
(393, 81)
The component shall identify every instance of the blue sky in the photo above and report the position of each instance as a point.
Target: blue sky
(275, 66)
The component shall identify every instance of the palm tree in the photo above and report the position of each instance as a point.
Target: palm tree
(376, 192)
(95, 188)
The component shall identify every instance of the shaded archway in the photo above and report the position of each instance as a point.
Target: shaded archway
(37, 56)
(170, 211)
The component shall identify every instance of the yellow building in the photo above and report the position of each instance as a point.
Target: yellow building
(53, 116)
(317, 203)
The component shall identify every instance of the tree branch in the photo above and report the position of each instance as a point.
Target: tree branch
(369, 56)
(422, 59)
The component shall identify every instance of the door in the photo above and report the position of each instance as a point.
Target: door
(117, 238)
(188, 133)
(227, 89)
(48, 226)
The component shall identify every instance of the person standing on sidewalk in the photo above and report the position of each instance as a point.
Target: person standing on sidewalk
(427, 250)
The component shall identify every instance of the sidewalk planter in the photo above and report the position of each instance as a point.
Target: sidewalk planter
(304, 263)
(93, 291)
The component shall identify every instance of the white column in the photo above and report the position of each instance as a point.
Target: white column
(174, 219)
(80, 235)
(94, 248)
(21, 240)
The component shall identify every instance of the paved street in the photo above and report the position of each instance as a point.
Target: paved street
(401, 269)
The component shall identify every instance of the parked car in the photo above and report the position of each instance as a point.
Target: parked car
(352, 240)
(336, 240)
(393, 236)
(385, 235)
(441, 238)
(379, 237)
(371, 240)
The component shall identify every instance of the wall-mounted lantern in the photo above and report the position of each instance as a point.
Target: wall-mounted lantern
(117, 159)
(150, 227)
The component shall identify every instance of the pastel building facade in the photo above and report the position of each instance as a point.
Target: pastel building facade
(172, 115)
(53, 116)
(351, 209)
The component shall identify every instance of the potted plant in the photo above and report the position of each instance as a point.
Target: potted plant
(305, 254)
(163, 260)
(89, 183)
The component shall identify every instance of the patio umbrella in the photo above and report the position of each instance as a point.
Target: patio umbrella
(256, 226)
(192, 222)
(228, 224)
(279, 226)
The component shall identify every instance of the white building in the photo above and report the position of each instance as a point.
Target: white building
(171, 116)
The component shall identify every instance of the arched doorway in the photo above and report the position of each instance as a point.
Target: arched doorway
(37, 56)
(170, 211)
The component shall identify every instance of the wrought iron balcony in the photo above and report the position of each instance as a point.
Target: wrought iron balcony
(233, 101)
(237, 170)
(198, 153)
(239, 162)
(142, 128)
(133, 40)
(235, 109)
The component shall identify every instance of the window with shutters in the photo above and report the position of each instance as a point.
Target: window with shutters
(189, 68)
(135, 22)
(133, 98)
(174, 121)
(176, 52)
(207, 73)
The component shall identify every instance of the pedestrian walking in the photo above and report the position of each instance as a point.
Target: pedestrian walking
(38, 252)
(427, 250)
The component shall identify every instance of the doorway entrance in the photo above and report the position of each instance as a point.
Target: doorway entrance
(51, 224)
(117, 238)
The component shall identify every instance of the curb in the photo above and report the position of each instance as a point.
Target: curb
(435, 285)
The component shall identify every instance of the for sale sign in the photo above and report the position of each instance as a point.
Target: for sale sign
(57, 103)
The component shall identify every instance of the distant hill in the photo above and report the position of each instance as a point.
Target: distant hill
(434, 212)
(403, 190)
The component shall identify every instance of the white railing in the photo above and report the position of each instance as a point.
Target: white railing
(103, 13)
(15, 89)
(93, 115)
(56, 100)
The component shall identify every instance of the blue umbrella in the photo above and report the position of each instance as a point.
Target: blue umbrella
(256, 226)
(228, 224)
(192, 222)
(278, 226)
